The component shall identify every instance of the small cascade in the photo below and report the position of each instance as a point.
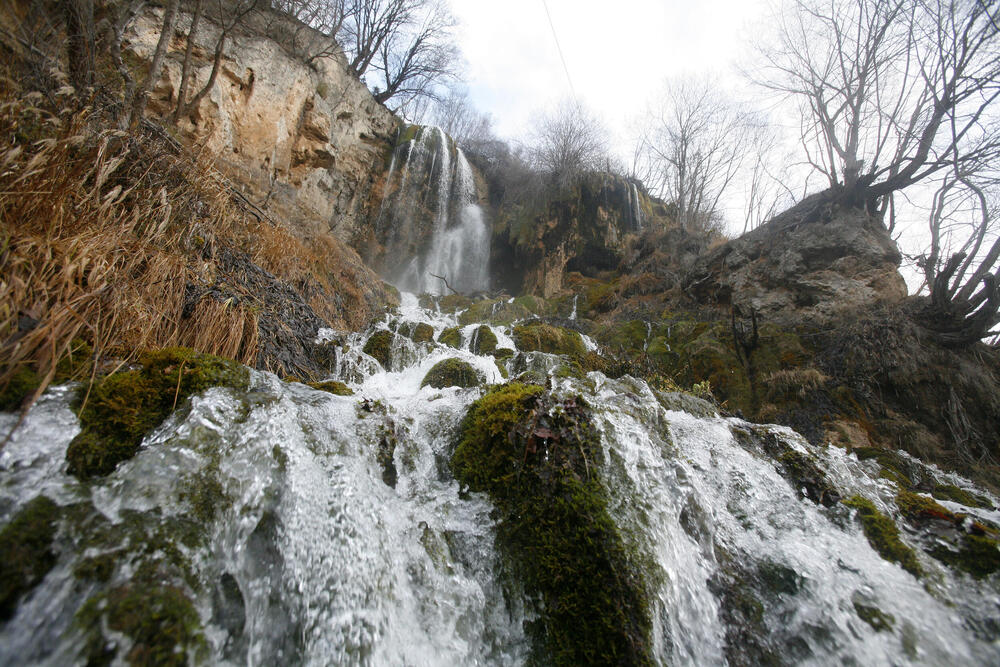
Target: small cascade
(292, 526)
(435, 229)
(635, 208)
(572, 315)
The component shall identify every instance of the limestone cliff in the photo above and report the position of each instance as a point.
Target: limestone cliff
(307, 141)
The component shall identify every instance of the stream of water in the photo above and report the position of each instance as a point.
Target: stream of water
(336, 533)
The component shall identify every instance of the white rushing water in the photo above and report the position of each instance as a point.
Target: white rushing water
(435, 176)
(339, 536)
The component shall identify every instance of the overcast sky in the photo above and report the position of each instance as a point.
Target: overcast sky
(616, 52)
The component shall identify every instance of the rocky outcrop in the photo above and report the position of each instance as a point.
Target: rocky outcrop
(306, 141)
(815, 262)
(584, 227)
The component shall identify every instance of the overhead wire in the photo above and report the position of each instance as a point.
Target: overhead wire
(562, 57)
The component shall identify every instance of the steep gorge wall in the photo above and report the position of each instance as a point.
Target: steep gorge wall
(307, 141)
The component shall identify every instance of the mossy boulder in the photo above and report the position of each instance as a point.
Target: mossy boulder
(333, 387)
(158, 618)
(26, 554)
(883, 535)
(452, 373)
(422, 333)
(452, 337)
(541, 337)
(379, 347)
(123, 407)
(538, 458)
(484, 341)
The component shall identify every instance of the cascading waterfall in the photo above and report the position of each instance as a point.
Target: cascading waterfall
(309, 528)
(436, 226)
(635, 208)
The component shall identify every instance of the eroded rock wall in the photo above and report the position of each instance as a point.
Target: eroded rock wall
(306, 141)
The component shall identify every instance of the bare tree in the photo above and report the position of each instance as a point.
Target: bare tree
(80, 41)
(455, 114)
(568, 141)
(312, 33)
(227, 17)
(694, 147)
(897, 92)
(416, 58)
(137, 92)
(881, 84)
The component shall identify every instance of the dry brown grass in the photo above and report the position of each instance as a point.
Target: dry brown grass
(101, 233)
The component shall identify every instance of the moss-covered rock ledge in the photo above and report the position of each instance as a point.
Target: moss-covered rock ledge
(538, 457)
(121, 408)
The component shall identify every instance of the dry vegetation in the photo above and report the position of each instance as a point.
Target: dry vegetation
(104, 236)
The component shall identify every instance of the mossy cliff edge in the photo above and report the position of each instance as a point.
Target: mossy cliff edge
(538, 457)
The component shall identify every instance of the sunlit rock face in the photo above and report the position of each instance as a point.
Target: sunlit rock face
(814, 262)
(308, 139)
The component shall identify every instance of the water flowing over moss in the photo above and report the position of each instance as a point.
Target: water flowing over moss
(122, 408)
(26, 551)
(883, 535)
(539, 458)
(333, 387)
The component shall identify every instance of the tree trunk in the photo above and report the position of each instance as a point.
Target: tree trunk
(186, 67)
(79, 15)
(142, 94)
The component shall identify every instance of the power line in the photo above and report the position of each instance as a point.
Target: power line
(555, 37)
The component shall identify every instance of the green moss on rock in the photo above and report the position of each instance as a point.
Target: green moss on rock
(452, 373)
(957, 495)
(333, 387)
(422, 333)
(160, 620)
(452, 337)
(538, 459)
(484, 341)
(875, 617)
(26, 554)
(122, 408)
(883, 535)
(379, 347)
(539, 337)
(978, 555)
(801, 470)
(23, 382)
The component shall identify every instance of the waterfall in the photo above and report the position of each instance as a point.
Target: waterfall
(437, 227)
(572, 315)
(309, 528)
(635, 207)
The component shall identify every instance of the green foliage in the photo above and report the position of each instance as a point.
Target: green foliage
(333, 386)
(883, 535)
(496, 311)
(452, 373)
(484, 341)
(122, 408)
(452, 337)
(379, 347)
(26, 551)
(538, 459)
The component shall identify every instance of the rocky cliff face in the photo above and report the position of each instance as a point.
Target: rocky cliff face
(815, 262)
(582, 228)
(307, 140)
